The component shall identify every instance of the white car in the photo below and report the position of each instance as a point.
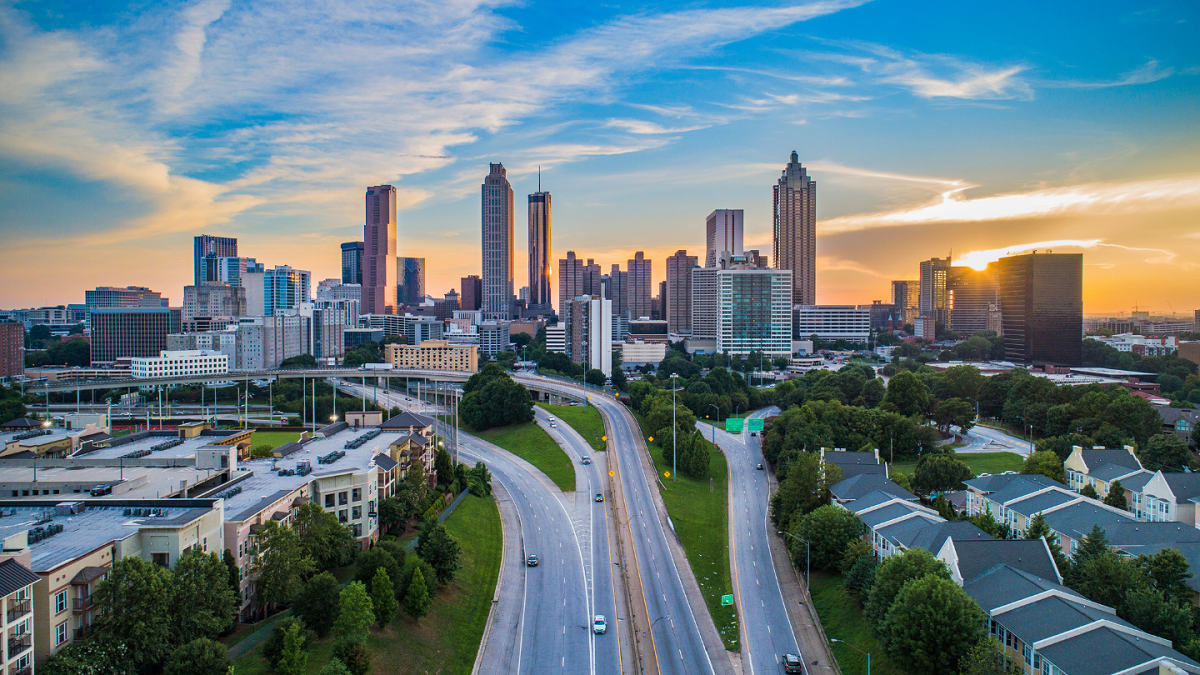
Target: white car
(599, 625)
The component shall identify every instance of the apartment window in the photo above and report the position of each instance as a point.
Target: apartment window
(356, 495)
(60, 633)
(357, 529)
(329, 501)
(356, 513)
(60, 602)
(161, 559)
(342, 501)
(342, 516)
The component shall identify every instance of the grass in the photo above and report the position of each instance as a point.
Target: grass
(447, 640)
(701, 520)
(273, 438)
(585, 420)
(842, 619)
(531, 443)
(978, 462)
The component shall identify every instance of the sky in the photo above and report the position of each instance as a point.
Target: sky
(971, 129)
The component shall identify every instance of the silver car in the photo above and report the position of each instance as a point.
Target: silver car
(599, 625)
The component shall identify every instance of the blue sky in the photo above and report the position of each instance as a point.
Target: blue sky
(981, 127)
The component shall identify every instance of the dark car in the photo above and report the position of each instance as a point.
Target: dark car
(759, 467)
(792, 663)
(599, 497)
(531, 561)
(101, 490)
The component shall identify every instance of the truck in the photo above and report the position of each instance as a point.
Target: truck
(375, 366)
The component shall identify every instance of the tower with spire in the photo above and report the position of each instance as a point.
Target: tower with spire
(796, 230)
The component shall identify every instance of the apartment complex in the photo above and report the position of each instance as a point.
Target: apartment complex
(678, 300)
(433, 355)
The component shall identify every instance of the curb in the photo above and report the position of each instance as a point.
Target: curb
(487, 629)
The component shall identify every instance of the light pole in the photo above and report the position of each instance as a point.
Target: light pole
(674, 433)
(714, 426)
(856, 649)
(807, 559)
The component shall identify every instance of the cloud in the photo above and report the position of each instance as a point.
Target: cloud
(980, 259)
(1150, 72)
(643, 127)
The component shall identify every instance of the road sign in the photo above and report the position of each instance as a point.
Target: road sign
(755, 424)
(612, 473)
(726, 600)
(734, 425)
(666, 474)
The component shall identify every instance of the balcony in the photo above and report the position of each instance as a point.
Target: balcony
(82, 605)
(18, 644)
(80, 633)
(17, 610)
(27, 670)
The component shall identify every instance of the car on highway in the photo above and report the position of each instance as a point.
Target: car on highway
(599, 497)
(599, 625)
(759, 467)
(792, 663)
(553, 425)
(552, 419)
(585, 460)
(531, 561)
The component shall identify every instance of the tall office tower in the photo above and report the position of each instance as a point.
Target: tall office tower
(352, 262)
(130, 296)
(12, 343)
(754, 309)
(227, 270)
(539, 300)
(641, 301)
(209, 246)
(660, 301)
(618, 288)
(704, 303)
(932, 301)
(679, 292)
(379, 251)
(410, 278)
(472, 293)
(969, 295)
(723, 233)
(1041, 303)
(906, 296)
(119, 332)
(796, 230)
(592, 278)
(498, 225)
(283, 288)
(570, 280)
(451, 301)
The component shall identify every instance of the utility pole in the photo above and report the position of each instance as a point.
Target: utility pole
(674, 434)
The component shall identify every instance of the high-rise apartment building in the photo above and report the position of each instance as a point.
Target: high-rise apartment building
(213, 299)
(539, 300)
(411, 275)
(970, 295)
(587, 322)
(275, 290)
(119, 332)
(618, 290)
(754, 308)
(498, 225)
(1041, 304)
(208, 246)
(130, 296)
(906, 296)
(932, 300)
(723, 232)
(796, 230)
(352, 262)
(379, 251)
(12, 357)
(471, 298)
(570, 280)
(678, 291)
(704, 303)
(639, 293)
(227, 270)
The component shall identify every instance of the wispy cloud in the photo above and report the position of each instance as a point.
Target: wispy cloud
(1150, 72)
(644, 127)
(980, 259)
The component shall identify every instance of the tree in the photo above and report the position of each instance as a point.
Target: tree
(299, 361)
(1116, 496)
(272, 649)
(1046, 463)
(293, 657)
(201, 656)
(828, 531)
(987, 658)
(1168, 571)
(939, 473)
(439, 549)
(280, 563)
(618, 377)
(323, 538)
(1149, 610)
(854, 550)
(805, 488)
(383, 598)
(354, 655)
(907, 395)
(1038, 528)
(931, 625)
(370, 562)
(861, 577)
(416, 601)
(335, 667)
(1165, 452)
(133, 605)
(988, 523)
(595, 377)
(1089, 491)
(94, 656)
(355, 613)
(954, 412)
(202, 603)
(891, 575)
(479, 480)
(411, 565)
(235, 574)
(443, 464)
(317, 603)
(494, 399)
(1107, 578)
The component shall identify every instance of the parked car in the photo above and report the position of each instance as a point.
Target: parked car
(599, 625)
(531, 561)
(792, 663)
(101, 490)
(599, 497)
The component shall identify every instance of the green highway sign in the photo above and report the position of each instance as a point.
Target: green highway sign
(755, 424)
(726, 600)
(734, 425)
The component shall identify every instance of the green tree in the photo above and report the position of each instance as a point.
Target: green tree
(939, 473)
(428, 575)
(293, 655)
(861, 577)
(443, 464)
(94, 656)
(417, 601)
(805, 488)
(1165, 452)
(439, 549)
(494, 399)
(893, 572)
(954, 412)
(201, 656)
(1107, 578)
(323, 538)
(202, 603)
(1046, 463)
(317, 603)
(595, 377)
(479, 479)
(355, 613)
(854, 550)
(354, 655)
(1038, 528)
(828, 530)
(987, 658)
(1116, 496)
(383, 598)
(335, 667)
(273, 646)
(931, 625)
(234, 574)
(1089, 491)
(280, 563)
(300, 361)
(907, 395)
(988, 523)
(1168, 571)
(1147, 609)
(133, 604)
(369, 563)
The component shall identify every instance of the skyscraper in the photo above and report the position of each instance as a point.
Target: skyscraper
(796, 230)
(753, 309)
(906, 296)
(932, 301)
(472, 293)
(352, 258)
(131, 331)
(1041, 301)
(570, 280)
(678, 299)
(379, 251)
(723, 233)
(498, 225)
(592, 278)
(618, 289)
(640, 294)
(539, 300)
(410, 275)
(970, 293)
(284, 288)
(210, 246)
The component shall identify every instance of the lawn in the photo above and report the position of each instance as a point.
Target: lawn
(842, 619)
(584, 419)
(979, 462)
(531, 443)
(447, 640)
(701, 519)
(273, 438)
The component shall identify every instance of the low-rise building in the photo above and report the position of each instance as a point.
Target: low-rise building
(636, 353)
(182, 363)
(832, 322)
(17, 619)
(1099, 466)
(433, 355)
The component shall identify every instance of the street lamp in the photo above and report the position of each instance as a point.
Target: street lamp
(856, 649)
(674, 433)
(715, 420)
(807, 560)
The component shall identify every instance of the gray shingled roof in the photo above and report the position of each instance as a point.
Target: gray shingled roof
(1003, 584)
(1094, 457)
(1076, 520)
(1110, 470)
(407, 420)
(1184, 485)
(992, 484)
(1137, 481)
(1027, 555)
(1031, 505)
(1104, 651)
(905, 531)
(14, 576)
(889, 512)
(385, 462)
(843, 458)
(866, 483)
(867, 501)
(932, 536)
(1022, 485)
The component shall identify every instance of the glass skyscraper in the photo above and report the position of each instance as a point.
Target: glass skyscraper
(498, 224)
(1041, 306)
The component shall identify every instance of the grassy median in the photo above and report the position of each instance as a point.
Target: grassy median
(585, 420)
(532, 444)
(842, 619)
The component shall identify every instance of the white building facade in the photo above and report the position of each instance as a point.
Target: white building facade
(180, 364)
(833, 322)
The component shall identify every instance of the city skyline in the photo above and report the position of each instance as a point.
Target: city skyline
(924, 141)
